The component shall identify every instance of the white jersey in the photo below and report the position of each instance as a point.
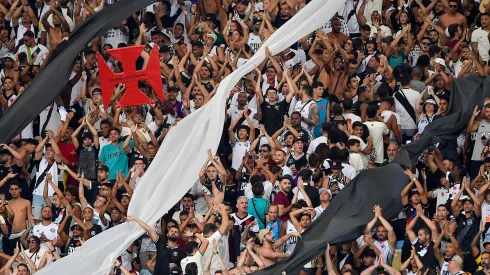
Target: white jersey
(384, 248)
(304, 109)
(291, 243)
(444, 267)
(485, 211)
(254, 42)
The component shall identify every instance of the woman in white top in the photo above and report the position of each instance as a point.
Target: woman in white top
(34, 250)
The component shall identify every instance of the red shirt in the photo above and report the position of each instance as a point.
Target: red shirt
(69, 152)
(282, 199)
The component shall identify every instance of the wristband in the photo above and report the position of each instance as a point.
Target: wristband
(414, 179)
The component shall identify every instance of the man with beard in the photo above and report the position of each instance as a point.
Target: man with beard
(485, 264)
(279, 158)
(116, 217)
(46, 230)
(391, 151)
(267, 252)
(468, 217)
(60, 25)
(187, 205)
(285, 15)
(479, 38)
(336, 32)
(169, 253)
(281, 198)
(295, 123)
(385, 236)
(79, 232)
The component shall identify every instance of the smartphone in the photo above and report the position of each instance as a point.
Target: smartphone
(431, 149)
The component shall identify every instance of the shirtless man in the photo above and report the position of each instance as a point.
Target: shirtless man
(59, 22)
(267, 251)
(452, 16)
(336, 32)
(23, 212)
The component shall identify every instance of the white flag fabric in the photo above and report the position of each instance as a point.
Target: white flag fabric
(178, 162)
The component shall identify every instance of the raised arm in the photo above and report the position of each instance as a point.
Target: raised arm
(153, 235)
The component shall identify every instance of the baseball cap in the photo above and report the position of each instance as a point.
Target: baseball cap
(372, 40)
(296, 139)
(431, 101)
(262, 234)
(336, 164)
(75, 224)
(103, 168)
(440, 61)
(321, 190)
(87, 135)
(457, 259)
(176, 270)
(9, 55)
(257, 20)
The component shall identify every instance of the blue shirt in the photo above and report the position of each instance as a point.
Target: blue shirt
(115, 158)
(275, 228)
(259, 211)
(322, 110)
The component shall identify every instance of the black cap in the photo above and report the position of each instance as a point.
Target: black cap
(176, 270)
(371, 40)
(257, 20)
(103, 168)
(87, 135)
(336, 164)
(305, 173)
(211, 17)
(298, 139)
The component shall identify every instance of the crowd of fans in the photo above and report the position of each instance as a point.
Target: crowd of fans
(298, 129)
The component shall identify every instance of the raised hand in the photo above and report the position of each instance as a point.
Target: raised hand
(476, 112)
(377, 211)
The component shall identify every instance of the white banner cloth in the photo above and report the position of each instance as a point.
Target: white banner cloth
(178, 162)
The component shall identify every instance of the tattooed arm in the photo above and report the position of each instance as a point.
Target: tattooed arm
(314, 114)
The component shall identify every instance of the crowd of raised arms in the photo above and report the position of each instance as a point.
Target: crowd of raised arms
(298, 129)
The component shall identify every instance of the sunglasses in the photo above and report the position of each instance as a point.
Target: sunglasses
(425, 43)
(32, 241)
(264, 151)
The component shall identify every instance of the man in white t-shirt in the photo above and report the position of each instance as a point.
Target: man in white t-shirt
(195, 252)
(326, 127)
(376, 130)
(220, 235)
(46, 230)
(479, 38)
(406, 94)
